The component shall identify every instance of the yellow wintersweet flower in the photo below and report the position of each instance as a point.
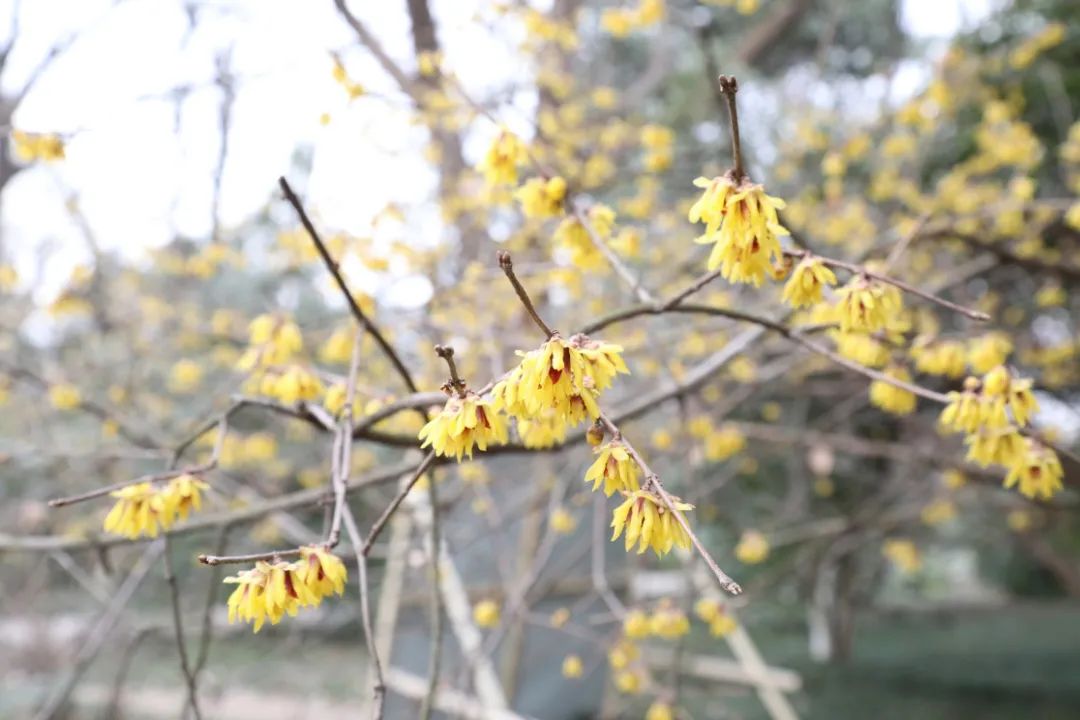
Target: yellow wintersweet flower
(506, 154)
(1036, 472)
(903, 554)
(659, 710)
(807, 280)
(753, 548)
(335, 398)
(707, 609)
(890, 398)
(650, 524)
(181, 496)
(64, 396)
(294, 385)
(1018, 520)
(272, 341)
(37, 146)
(1015, 392)
(964, 412)
(185, 376)
(573, 236)
(724, 442)
(547, 429)
(988, 351)
(562, 375)
(742, 224)
(572, 667)
(269, 590)
(622, 654)
(463, 423)
(541, 198)
(953, 479)
(861, 348)
(866, 305)
(9, 277)
(995, 447)
(940, 358)
(669, 623)
(636, 625)
(337, 349)
(486, 613)
(628, 682)
(938, 512)
(341, 76)
(320, 572)
(615, 468)
(562, 522)
(139, 510)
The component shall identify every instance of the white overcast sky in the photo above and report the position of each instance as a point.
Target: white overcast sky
(142, 177)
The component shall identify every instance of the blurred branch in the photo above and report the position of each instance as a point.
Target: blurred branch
(53, 707)
(289, 501)
(178, 632)
(335, 271)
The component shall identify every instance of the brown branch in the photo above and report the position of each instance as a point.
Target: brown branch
(178, 631)
(456, 383)
(378, 690)
(728, 85)
(906, 287)
(507, 265)
(335, 270)
(388, 512)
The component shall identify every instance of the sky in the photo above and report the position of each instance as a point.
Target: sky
(142, 170)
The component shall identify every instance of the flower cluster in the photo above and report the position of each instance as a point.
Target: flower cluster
(564, 376)
(742, 225)
(143, 509)
(982, 404)
(990, 412)
(463, 423)
(273, 343)
(649, 523)
(274, 589)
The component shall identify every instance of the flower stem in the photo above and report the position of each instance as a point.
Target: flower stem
(507, 265)
(729, 86)
(456, 383)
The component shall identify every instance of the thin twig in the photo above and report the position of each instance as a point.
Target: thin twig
(435, 657)
(613, 259)
(906, 287)
(456, 383)
(378, 690)
(335, 270)
(728, 86)
(507, 265)
(390, 509)
(178, 629)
